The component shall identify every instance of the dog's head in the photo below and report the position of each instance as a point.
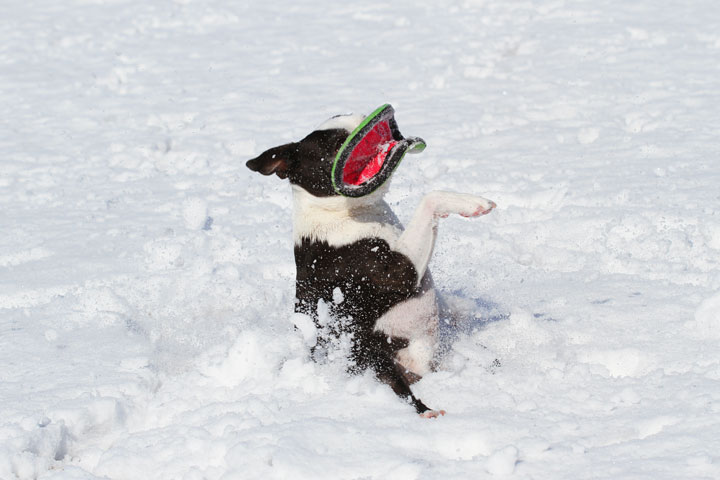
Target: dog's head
(308, 163)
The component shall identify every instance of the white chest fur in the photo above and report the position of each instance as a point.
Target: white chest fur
(342, 220)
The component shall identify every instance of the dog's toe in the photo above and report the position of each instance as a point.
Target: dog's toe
(480, 210)
(432, 413)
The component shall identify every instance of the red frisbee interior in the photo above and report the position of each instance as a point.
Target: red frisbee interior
(368, 156)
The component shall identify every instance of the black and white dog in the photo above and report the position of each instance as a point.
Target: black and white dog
(353, 254)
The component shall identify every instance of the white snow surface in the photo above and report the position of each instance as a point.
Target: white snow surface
(147, 276)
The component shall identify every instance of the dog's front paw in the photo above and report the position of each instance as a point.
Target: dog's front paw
(446, 203)
(482, 208)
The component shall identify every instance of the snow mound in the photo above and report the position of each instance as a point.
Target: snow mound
(706, 323)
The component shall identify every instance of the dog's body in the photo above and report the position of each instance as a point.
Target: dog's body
(353, 255)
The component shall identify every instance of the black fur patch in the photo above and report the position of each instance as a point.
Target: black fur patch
(307, 163)
(371, 278)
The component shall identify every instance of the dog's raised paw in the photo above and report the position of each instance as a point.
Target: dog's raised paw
(483, 209)
(445, 203)
(432, 413)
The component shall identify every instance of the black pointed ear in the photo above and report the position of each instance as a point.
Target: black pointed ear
(276, 160)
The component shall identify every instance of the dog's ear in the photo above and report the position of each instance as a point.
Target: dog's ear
(277, 160)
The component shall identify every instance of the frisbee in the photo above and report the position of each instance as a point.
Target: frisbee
(371, 153)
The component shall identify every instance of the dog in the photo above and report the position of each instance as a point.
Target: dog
(353, 256)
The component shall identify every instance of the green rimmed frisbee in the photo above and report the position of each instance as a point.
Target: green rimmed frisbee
(371, 153)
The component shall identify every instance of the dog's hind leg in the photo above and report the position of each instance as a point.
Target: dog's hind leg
(377, 351)
(392, 374)
(418, 239)
(417, 356)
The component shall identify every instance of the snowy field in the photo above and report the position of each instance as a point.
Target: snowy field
(147, 276)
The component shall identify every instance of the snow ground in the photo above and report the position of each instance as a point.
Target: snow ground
(146, 276)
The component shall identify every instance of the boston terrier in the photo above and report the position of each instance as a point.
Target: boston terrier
(356, 261)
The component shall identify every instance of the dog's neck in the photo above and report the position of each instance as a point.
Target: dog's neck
(340, 220)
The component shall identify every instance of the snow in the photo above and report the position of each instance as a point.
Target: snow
(146, 276)
(503, 461)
